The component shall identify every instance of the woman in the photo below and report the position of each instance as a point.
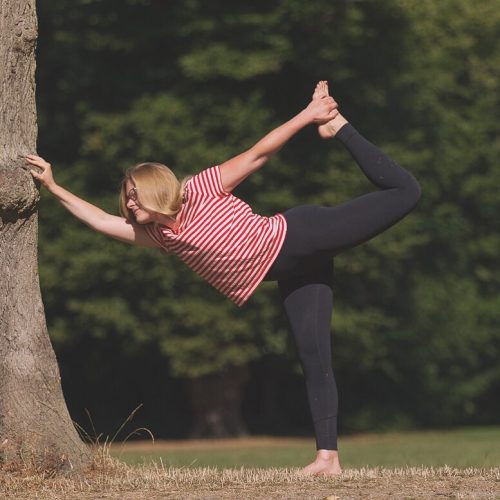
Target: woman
(219, 237)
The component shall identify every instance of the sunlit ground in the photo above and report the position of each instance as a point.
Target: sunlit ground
(463, 463)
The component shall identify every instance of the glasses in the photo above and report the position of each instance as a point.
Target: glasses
(132, 194)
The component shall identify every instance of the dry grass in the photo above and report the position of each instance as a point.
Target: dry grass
(111, 479)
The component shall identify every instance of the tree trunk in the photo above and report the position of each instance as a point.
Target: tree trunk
(35, 426)
(216, 401)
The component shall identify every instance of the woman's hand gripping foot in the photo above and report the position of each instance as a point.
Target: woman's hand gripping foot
(322, 108)
(329, 129)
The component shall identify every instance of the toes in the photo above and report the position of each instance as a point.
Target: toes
(317, 91)
(321, 89)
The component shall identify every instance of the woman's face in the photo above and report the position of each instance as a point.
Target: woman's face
(142, 216)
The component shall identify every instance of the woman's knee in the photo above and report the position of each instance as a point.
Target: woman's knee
(316, 364)
(413, 193)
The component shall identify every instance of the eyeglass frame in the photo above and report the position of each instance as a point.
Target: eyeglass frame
(132, 194)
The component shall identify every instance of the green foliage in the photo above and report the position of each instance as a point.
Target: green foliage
(194, 83)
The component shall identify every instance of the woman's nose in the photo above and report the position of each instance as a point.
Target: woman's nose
(130, 203)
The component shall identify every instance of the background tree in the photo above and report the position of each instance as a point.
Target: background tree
(34, 421)
(192, 83)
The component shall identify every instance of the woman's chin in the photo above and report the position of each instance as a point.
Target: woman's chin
(143, 219)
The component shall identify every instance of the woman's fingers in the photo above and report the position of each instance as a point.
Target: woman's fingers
(333, 113)
(34, 158)
(330, 109)
(44, 174)
(330, 103)
(37, 161)
(330, 100)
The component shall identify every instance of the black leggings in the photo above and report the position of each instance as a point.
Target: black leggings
(304, 267)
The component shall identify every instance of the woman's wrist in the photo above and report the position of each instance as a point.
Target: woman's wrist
(305, 117)
(52, 187)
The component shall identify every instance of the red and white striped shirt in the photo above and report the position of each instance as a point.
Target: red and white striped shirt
(219, 237)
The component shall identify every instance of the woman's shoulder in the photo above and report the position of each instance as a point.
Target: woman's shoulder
(207, 182)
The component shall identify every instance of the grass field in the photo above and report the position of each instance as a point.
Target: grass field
(458, 464)
(459, 448)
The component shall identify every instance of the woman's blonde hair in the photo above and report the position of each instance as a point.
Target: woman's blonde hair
(158, 189)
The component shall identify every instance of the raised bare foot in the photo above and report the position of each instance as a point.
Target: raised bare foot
(329, 129)
(321, 90)
(326, 463)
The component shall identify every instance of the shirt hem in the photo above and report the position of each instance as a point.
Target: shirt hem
(242, 301)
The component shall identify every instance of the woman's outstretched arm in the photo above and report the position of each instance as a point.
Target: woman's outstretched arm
(97, 219)
(237, 169)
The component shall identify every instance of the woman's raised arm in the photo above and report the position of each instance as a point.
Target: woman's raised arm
(97, 219)
(237, 169)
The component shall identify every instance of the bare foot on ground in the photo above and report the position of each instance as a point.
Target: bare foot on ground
(329, 129)
(327, 463)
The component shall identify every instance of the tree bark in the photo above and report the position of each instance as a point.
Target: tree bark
(35, 426)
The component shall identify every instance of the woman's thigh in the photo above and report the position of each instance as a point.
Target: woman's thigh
(320, 230)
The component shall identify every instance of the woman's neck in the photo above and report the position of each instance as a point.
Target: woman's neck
(165, 220)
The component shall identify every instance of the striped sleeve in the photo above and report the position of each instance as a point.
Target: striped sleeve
(208, 182)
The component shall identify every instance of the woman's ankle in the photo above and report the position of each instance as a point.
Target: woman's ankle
(327, 454)
(330, 129)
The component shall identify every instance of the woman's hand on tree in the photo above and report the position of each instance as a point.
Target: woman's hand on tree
(45, 177)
